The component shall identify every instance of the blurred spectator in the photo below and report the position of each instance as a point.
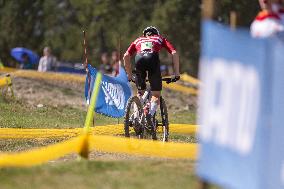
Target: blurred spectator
(26, 63)
(105, 66)
(115, 62)
(47, 62)
(267, 23)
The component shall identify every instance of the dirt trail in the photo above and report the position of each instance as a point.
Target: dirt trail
(51, 93)
(58, 93)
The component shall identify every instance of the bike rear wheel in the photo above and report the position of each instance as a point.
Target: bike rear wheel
(132, 122)
(161, 126)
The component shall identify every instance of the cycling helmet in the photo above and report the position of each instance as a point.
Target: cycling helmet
(151, 30)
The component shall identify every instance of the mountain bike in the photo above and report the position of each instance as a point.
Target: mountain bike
(135, 123)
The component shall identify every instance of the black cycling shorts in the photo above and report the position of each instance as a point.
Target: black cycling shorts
(148, 63)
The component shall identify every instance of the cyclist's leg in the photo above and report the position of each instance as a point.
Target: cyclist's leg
(140, 75)
(155, 102)
(155, 80)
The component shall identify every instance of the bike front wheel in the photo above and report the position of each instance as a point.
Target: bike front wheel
(161, 126)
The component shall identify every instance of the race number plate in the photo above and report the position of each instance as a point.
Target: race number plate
(146, 46)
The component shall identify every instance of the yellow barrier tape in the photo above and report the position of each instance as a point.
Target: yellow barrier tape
(14, 133)
(144, 147)
(103, 143)
(41, 155)
(45, 75)
(183, 128)
(5, 81)
(187, 78)
(11, 133)
(83, 143)
(50, 76)
(7, 70)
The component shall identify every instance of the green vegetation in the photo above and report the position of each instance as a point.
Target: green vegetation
(114, 171)
(133, 173)
(183, 117)
(16, 145)
(182, 138)
(59, 24)
(99, 174)
(19, 115)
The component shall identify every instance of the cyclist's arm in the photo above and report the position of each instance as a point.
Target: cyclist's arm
(170, 48)
(127, 65)
(126, 59)
(176, 63)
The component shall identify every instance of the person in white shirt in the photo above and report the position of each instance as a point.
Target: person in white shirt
(267, 23)
(47, 62)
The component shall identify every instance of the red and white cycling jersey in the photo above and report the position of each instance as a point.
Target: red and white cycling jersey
(266, 24)
(150, 44)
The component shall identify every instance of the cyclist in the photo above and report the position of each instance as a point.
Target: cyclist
(267, 23)
(147, 63)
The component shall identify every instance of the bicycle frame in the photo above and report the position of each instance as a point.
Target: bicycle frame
(139, 117)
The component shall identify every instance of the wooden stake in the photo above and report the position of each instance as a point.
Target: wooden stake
(119, 47)
(208, 9)
(233, 20)
(85, 50)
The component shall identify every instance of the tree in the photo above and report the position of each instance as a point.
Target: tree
(20, 23)
(59, 24)
(180, 21)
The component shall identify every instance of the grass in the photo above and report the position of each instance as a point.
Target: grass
(16, 114)
(182, 138)
(166, 174)
(183, 117)
(19, 115)
(133, 173)
(15, 145)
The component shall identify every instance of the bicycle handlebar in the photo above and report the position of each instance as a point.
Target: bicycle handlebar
(168, 80)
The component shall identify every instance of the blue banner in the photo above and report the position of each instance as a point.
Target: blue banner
(275, 173)
(114, 93)
(236, 109)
